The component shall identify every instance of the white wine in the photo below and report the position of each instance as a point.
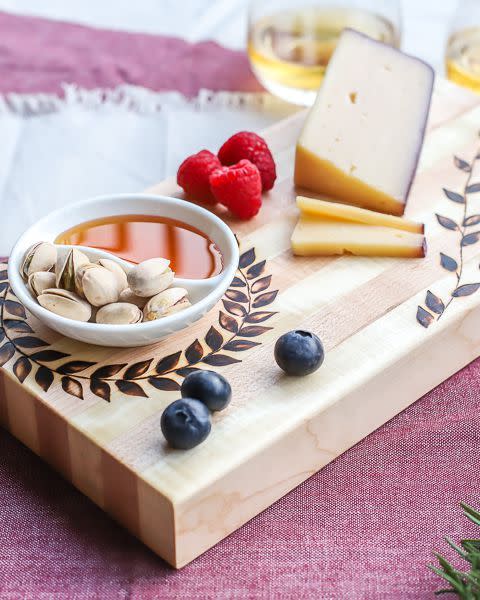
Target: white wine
(290, 50)
(463, 58)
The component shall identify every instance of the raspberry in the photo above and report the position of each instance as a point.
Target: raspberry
(193, 176)
(250, 146)
(239, 188)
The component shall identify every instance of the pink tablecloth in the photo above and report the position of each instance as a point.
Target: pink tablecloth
(363, 528)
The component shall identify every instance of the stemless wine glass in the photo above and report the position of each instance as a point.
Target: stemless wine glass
(291, 41)
(463, 46)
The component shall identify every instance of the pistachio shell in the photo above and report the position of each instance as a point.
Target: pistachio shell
(42, 256)
(100, 286)
(128, 296)
(117, 270)
(150, 277)
(119, 313)
(166, 303)
(79, 275)
(40, 281)
(65, 303)
(68, 264)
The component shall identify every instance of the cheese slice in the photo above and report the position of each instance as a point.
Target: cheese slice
(362, 139)
(313, 237)
(324, 209)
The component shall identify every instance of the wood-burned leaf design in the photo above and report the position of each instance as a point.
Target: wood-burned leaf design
(461, 164)
(256, 270)
(434, 303)
(472, 220)
(424, 317)
(265, 299)
(74, 366)
(167, 363)
(164, 384)
(473, 188)
(448, 263)
(6, 353)
(3, 286)
(2, 335)
(30, 342)
(214, 339)
(466, 290)
(259, 317)
(454, 197)
(15, 308)
(234, 309)
(447, 223)
(236, 296)
(48, 355)
(237, 282)
(72, 386)
(138, 369)
(22, 368)
(185, 371)
(194, 352)
(100, 388)
(247, 258)
(240, 345)
(261, 284)
(3, 275)
(130, 388)
(253, 330)
(227, 322)
(470, 238)
(44, 378)
(108, 371)
(220, 360)
(18, 326)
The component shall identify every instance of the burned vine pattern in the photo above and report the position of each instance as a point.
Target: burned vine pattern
(241, 320)
(435, 307)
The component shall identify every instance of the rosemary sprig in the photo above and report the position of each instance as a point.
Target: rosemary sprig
(466, 584)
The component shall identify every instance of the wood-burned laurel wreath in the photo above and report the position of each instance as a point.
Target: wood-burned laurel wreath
(435, 307)
(238, 324)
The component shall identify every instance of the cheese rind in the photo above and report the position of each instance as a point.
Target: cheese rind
(325, 209)
(313, 237)
(362, 139)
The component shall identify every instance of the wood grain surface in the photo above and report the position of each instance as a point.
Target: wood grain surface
(393, 329)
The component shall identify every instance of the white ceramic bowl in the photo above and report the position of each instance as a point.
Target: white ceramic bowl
(204, 294)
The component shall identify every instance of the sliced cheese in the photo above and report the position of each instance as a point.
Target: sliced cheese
(313, 237)
(363, 136)
(325, 209)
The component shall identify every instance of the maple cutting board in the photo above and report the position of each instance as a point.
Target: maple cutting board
(393, 329)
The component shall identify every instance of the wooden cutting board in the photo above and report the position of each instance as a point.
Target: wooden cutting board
(393, 329)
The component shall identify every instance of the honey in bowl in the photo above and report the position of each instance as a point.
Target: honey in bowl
(138, 237)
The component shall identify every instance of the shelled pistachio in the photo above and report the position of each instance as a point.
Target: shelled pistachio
(65, 303)
(40, 281)
(150, 277)
(166, 303)
(119, 313)
(41, 256)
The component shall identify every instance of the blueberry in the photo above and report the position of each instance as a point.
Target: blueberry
(186, 423)
(209, 387)
(299, 352)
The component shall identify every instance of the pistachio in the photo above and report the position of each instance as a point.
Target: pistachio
(68, 264)
(40, 281)
(128, 296)
(117, 270)
(79, 273)
(119, 313)
(65, 303)
(42, 256)
(99, 286)
(150, 277)
(166, 303)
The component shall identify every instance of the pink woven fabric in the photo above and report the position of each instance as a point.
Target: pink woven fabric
(362, 528)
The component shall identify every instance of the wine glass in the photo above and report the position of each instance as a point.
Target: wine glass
(291, 41)
(463, 47)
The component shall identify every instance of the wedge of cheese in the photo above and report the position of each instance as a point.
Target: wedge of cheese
(324, 209)
(362, 139)
(314, 237)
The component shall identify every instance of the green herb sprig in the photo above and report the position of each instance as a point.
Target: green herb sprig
(466, 584)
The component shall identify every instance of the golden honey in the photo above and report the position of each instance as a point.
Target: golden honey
(138, 237)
